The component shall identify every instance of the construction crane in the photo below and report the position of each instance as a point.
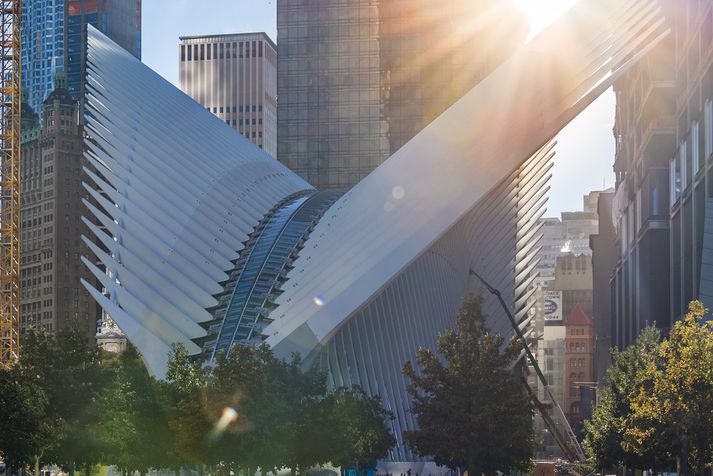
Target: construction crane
(10, 136)
(568, 442)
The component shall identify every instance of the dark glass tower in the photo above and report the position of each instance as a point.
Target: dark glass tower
(53, 32)
(120, 20)
(357, 79)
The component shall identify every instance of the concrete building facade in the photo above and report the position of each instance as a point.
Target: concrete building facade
(664, 133)
(573, 279)
(604, 259)
(234, 77)
(52, 296)
(357, 79)
(567, 234)
(551, 359)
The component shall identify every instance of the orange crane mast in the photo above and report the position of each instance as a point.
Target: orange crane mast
(10, 136)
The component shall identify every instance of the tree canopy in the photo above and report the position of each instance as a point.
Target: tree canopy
(658, 405)
(66, 403)
(605, 432)
(469, 404)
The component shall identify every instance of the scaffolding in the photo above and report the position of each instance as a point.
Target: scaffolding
(10, 137)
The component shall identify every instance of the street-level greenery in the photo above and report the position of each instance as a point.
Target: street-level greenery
(66, 403)
(657, 410)
(469, 404)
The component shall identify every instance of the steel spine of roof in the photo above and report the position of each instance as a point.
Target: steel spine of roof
(174, 192)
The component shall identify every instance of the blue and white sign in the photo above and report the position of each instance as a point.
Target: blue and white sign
(552, 305)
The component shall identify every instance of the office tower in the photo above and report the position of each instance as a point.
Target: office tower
(358, 79)
(604, 259)
(664, 168)
(234, 248)
(235, 78)
(567, 234)
(573, 280)
(52, 296)
(53, 35)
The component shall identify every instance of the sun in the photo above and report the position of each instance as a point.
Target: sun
(541, 13)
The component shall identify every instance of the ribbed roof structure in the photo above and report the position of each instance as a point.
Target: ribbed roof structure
(202, 239)
(174, 194)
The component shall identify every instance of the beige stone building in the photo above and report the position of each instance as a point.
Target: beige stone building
(234, 77)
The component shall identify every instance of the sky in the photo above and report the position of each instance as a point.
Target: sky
(585, 149)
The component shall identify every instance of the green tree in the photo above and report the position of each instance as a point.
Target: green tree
(131, 413)
(69, 369)
(23, 404)
(470, 407)
(360, 429)
(187, 379)
(252, 410)
(605, 432)
(674, 405)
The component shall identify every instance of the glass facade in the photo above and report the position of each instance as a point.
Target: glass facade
(331, 128)
(357, 79)
(241, 312)
(42, 47)
(53, 36)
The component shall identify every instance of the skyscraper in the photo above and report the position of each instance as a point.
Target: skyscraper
(357, 79)
(234, 77)
(53, 32)
(662, 207)
(52, 296)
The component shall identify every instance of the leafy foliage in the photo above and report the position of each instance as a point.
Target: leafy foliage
(673, 408)
(605, 432)
(57, 380)
(658, 405)
(470, 407)
(23, 403)
(66, 403)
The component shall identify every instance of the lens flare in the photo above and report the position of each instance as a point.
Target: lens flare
(228, 416)
(541, 13)
(318, 301)
(398, 192)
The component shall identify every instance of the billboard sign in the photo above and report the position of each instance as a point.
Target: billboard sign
(553, 305)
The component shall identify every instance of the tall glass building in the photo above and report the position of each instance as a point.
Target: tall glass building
(357, 79)
(53, 32)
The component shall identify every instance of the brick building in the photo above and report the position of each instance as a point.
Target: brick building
(579, 366)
